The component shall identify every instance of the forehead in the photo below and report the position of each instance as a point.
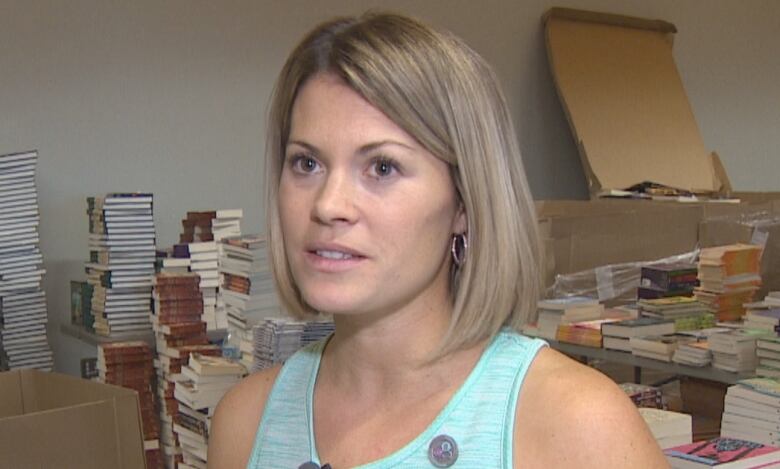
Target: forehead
(326, 108)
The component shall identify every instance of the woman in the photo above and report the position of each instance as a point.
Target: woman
(397, 203)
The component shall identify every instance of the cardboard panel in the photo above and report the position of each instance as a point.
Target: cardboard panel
(625, 102)
(44, 391)
(10, 395)
(55, 420)
(77, 436)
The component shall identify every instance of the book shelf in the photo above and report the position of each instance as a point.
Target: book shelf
(626, 358)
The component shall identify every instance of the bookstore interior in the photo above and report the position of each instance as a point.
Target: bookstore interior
(667, 280)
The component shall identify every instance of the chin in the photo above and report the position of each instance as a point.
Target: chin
(331, 306)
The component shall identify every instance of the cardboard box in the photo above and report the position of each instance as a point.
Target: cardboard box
(579, 236)
(625, 102)
(582, 235)
(54, 420)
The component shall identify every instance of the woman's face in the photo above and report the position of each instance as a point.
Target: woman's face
(367, 214)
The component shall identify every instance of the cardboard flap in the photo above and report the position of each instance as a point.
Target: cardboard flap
(625, 102)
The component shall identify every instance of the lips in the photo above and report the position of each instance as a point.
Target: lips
(333, 251)
(331, 258)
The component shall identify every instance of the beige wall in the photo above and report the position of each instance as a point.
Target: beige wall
(169, 97)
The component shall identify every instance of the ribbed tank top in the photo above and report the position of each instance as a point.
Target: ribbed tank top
(479, 418)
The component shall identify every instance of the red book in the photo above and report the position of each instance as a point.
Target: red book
(722, 453)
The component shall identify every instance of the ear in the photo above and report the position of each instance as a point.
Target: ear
(460, 222)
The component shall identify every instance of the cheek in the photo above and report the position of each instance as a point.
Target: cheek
(291, 213)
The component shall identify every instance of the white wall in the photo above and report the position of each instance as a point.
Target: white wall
(169, 97)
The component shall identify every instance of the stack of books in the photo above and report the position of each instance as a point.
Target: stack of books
(246, 289)
(586, 333)
(697, 353)
(668, 428)
(723, 452)
(643, 395)
(768, 355)
(204, 380)
(693, 354)
(735, 350)
(203, 260)
(178, 309)
(665, 280)
(616, 335)
(276, 339)
(729, 276)
(129, 364)
(210, 225)
(554, 312)
(23, 313)
(752, 411)
(659, 347)
(763, 314)
(81, 304)
(121, 266)
(197, 242)
(686, 312)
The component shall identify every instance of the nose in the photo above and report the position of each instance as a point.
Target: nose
(335, 202)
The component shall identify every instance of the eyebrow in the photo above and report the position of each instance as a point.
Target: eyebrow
(362, 150)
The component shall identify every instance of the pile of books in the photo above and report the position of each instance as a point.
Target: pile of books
(643, 395)
(247, 290)
(697, 353)
(585, 333)
(204, 261)
(121, 265)
(668, 428)
(199, 242)
(212, 225)
(659, 347)
(729, 276)
(763, 314)
(735, 350)
(693, 354)
(686, 312)
(81, 304)
(665, 280)
(129, 364)
(768, 356)
(617, 335)
(722, 452)
(178, 308)
(554, 312)
(752, 411)
(276, 339)
(203, 382)
(23, 314)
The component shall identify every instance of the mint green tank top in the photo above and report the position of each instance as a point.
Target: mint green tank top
(474, 430)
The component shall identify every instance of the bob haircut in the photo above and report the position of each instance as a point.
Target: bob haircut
(447, 97)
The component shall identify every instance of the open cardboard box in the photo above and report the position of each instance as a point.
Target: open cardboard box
(625, 103)
(632, 122)
(55, 420)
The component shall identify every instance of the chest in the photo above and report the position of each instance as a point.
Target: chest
(349, 433)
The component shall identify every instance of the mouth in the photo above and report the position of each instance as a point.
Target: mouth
(333, 258)
(334, 255)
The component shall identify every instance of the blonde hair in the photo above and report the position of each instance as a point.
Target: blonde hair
(443, 94)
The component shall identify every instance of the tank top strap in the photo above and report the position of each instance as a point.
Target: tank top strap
(284, 433)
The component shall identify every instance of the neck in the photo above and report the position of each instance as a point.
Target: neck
(379, 355)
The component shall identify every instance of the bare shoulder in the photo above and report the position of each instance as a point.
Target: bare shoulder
(569, 414)
(236, 419)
